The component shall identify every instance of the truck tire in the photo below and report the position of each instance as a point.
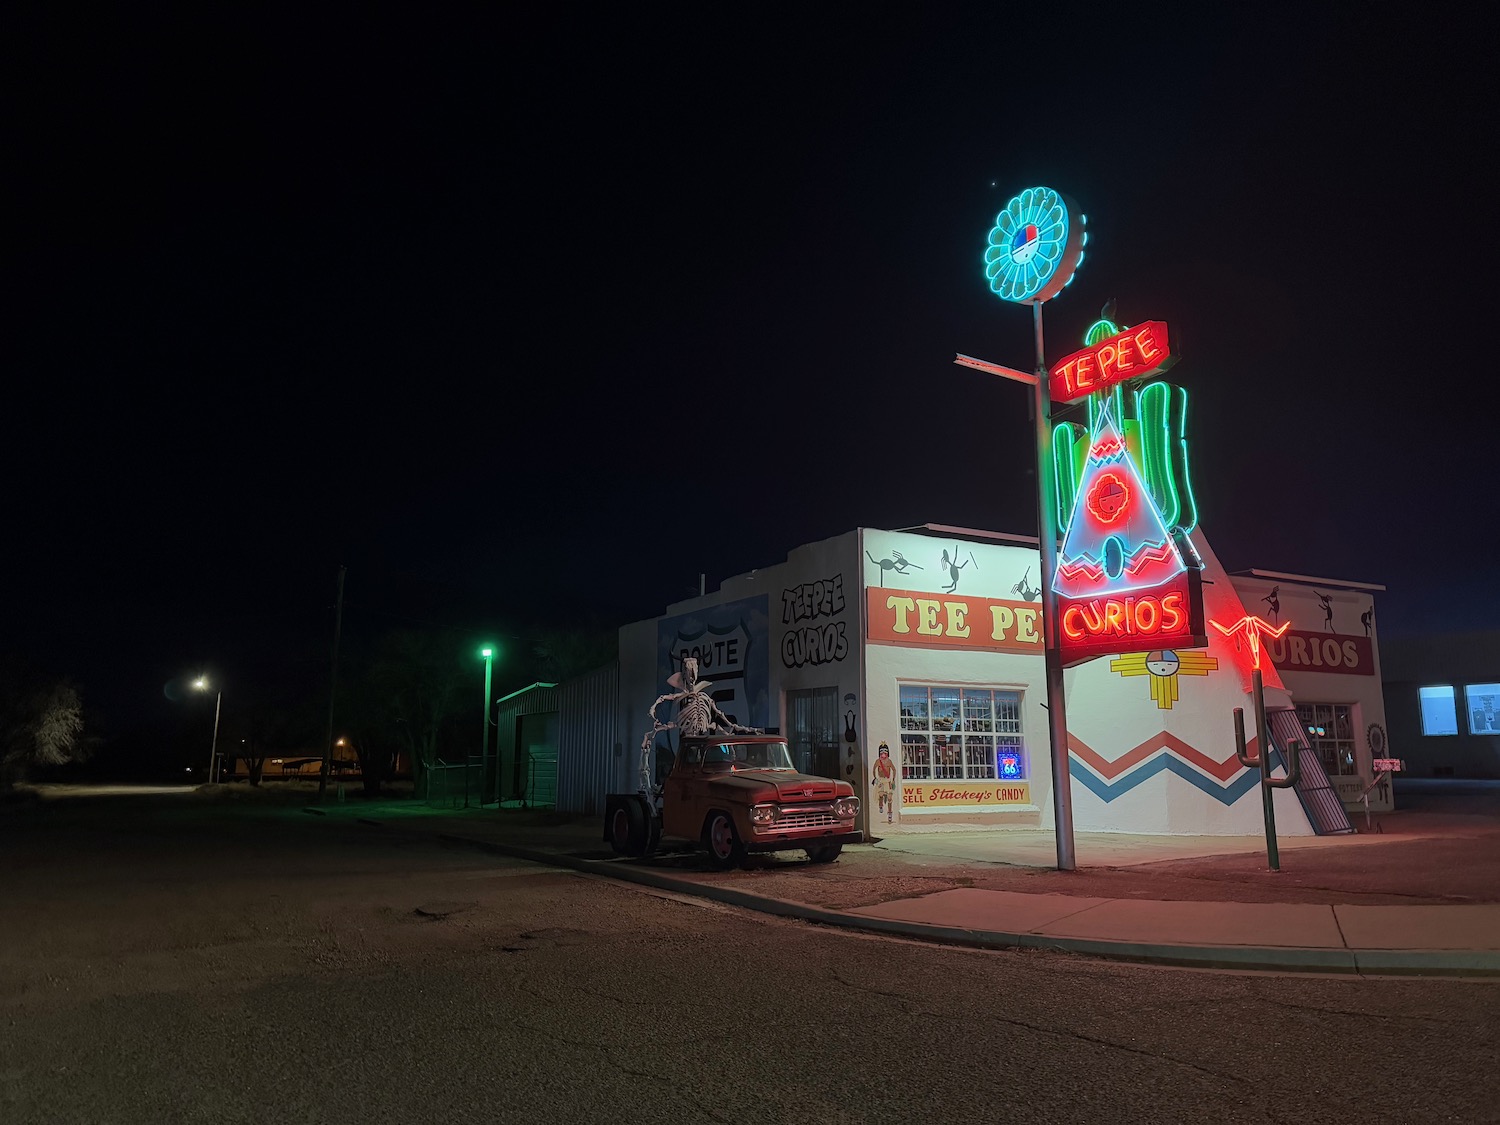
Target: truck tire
(722, 842)
(826, 854)
(627, 827)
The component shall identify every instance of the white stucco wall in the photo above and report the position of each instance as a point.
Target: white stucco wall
(1137, 766)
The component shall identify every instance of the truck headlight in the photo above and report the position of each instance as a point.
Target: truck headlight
(762, 814)
(846, 808)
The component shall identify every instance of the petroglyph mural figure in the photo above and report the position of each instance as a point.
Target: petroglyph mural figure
(897, 562)
(1327, 603)
(1273, 599)
(1027, 591)
(953, 566)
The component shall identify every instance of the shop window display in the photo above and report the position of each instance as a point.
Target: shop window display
(1330, 731)
(960, 734)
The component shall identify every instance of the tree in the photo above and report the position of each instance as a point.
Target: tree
(41, 724)
(564, 653)
(406, 696)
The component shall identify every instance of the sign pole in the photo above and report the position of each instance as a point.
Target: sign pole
(1057, 712)
(1268, 806)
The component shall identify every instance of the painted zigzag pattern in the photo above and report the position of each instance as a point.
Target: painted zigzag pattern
(1225, 781)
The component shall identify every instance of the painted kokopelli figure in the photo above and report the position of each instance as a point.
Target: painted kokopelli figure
(1027, 591)
(697, 713)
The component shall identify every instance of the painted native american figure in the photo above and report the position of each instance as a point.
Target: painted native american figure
(697, 713)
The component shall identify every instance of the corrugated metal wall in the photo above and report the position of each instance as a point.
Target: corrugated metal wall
(586, 739)
(539, 699)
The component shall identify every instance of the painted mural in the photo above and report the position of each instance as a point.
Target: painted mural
(808, 612)
(1163, 667)
(883, 781)
(731, 644)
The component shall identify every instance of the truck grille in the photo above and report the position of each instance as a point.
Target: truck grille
(805, 818)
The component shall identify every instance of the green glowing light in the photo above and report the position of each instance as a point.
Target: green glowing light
(1100, 330)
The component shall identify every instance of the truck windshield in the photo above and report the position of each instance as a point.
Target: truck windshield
(760, 756)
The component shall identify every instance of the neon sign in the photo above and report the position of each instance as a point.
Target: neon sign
(1108, 498)
(1169, 616)
(1154, 423)
(1132, 354)
(1036, 247)
(1252, 628)
(1115, 541)
(1121, 580)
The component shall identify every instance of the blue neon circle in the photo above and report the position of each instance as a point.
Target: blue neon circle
(1018, 263)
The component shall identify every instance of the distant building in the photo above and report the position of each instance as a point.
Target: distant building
(1442, 693)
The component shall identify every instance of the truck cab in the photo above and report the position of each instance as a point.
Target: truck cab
(734, 795)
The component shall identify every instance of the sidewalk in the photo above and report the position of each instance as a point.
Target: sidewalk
(1423, 898)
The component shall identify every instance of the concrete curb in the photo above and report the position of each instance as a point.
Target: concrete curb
(1359, 962)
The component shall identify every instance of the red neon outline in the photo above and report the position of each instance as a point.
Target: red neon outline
(1253, 628)
(1096, 506)
(1107, 447)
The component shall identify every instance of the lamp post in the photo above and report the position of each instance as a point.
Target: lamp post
(488, 652)
(201, 683)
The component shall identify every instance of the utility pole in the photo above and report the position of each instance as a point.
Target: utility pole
(333, 679)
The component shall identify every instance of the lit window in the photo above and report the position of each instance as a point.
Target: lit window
(1482, 703)
(958, 734)
(1439, 716)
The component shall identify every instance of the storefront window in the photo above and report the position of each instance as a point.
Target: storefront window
(952, 733)
(1483, 704)
(1330, 732)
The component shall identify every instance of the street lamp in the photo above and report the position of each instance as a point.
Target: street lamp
(201, 683)
(488, 652)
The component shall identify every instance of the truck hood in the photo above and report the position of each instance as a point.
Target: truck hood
(780, 786)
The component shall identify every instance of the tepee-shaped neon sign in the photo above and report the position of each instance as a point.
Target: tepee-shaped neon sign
(1121, 580)
(1116, 540)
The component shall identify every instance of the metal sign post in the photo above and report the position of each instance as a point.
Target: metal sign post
(1057, 714)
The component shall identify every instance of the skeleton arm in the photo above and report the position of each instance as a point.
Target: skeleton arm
(724, 722)
(657, 726)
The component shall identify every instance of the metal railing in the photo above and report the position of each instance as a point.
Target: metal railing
(454, 786)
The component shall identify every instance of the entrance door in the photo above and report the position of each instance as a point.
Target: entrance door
(536, 760)
(812, 717)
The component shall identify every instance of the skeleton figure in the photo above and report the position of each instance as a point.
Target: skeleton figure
(697, 713)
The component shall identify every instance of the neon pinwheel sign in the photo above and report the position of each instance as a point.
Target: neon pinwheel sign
(1035, 247)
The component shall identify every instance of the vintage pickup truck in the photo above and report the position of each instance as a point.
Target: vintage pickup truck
(733, 794)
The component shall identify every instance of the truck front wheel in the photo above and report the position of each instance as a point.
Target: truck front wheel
(722, 842)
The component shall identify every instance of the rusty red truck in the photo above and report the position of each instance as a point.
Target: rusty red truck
(732, 795)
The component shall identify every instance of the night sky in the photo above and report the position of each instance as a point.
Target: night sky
(533, 321)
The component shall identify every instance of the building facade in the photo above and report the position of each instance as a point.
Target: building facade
(927, 643)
